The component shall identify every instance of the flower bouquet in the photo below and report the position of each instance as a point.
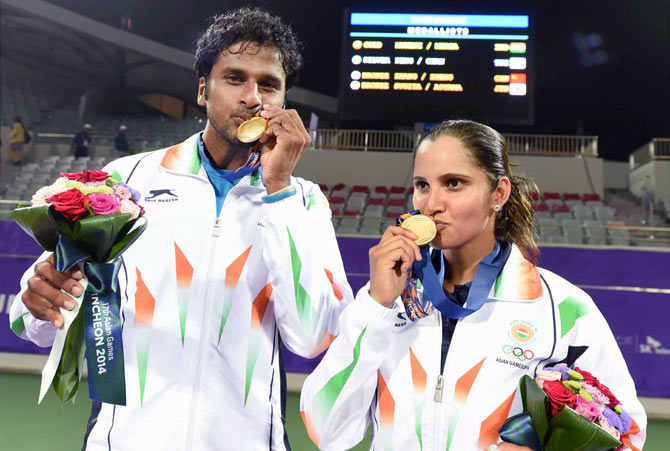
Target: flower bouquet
(567, 409)
(86, 219)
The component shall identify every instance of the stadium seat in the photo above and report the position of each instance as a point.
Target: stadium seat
(582, 212)
(550, 231)
(572, 229)
(592, 199)
(560, 211)
(552, 199)
(595, 232)
(541, 210)
(572, 199)
(370, 226)
(604, 214)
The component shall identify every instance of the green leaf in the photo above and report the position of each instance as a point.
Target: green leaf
(66, 379)
(127, 237)
(570, 430)
(535, 403)
(39, 224)
(96, 235)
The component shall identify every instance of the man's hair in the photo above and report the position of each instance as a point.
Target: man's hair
(247, 25)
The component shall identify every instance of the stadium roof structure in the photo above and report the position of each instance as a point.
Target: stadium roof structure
(55, 40)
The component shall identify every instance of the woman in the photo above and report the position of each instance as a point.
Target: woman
(17, 138)
(448, 378)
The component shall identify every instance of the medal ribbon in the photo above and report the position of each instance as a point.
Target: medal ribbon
(253, 161)
(433, 293)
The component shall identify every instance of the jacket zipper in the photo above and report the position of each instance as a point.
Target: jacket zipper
(437, 398)
(203, 324)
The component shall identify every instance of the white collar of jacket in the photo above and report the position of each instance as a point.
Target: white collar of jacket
(519, 280)
(184, 159)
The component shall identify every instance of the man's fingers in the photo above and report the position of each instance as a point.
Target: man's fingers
(47, 272)
(43, 289)
(42, 309)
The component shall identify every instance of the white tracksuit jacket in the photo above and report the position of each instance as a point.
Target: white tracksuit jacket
(383, 369)
(203, 314)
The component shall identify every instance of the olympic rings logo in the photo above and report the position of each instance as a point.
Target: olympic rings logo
(520, 354)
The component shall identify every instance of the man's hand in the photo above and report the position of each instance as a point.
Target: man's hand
(43, 296)
(512, 447)
(282, 146)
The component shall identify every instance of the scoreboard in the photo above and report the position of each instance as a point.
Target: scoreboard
(429, 67)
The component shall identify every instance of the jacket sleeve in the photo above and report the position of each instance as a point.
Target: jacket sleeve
(309, 286)
(337, 401)
(23, 323)
(603, 359)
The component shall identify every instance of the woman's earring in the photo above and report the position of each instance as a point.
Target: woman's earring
(496, 208)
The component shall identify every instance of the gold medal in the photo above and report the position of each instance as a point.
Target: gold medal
(251, 130)
(422, 226)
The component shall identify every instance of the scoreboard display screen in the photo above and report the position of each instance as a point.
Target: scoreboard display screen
(429, 67)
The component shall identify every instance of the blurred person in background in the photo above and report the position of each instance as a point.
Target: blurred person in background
(435, 363)
(236, 260)
(121, 146)
(81, 142)
(17, 139)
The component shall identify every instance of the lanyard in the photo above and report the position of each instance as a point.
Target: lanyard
(485, 276)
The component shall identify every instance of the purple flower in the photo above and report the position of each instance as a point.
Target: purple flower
(565, 376)
(626, 421)
(136, 194)
(613, 419)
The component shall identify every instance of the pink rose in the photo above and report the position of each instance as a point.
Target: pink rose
(587, 409)
(103, 204)
(596, 394)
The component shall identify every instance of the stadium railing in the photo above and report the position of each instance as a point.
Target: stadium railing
(656, 149)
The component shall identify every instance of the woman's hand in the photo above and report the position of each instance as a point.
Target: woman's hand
(390, 262)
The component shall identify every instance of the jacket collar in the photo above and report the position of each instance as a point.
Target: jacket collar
(519, 279)
(183, 158)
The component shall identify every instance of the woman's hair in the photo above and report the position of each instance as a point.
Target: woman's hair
(488, 149)
(247, 25)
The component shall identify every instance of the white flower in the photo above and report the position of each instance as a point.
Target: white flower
(128, 206)
(42, 194)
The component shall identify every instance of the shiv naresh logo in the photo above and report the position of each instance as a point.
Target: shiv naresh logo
(162, 195)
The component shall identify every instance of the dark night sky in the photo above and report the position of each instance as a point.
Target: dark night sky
(625, 100)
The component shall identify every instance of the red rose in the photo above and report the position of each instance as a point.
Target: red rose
(97, 176)
(76, 176)
(71, 204)
(86, 176)
(594, 382)
(559, 396)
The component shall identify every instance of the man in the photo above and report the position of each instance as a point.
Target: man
(81, 141)
(230, 266)
(121, 146)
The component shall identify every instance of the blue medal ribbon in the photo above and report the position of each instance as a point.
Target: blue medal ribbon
(433, 294)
